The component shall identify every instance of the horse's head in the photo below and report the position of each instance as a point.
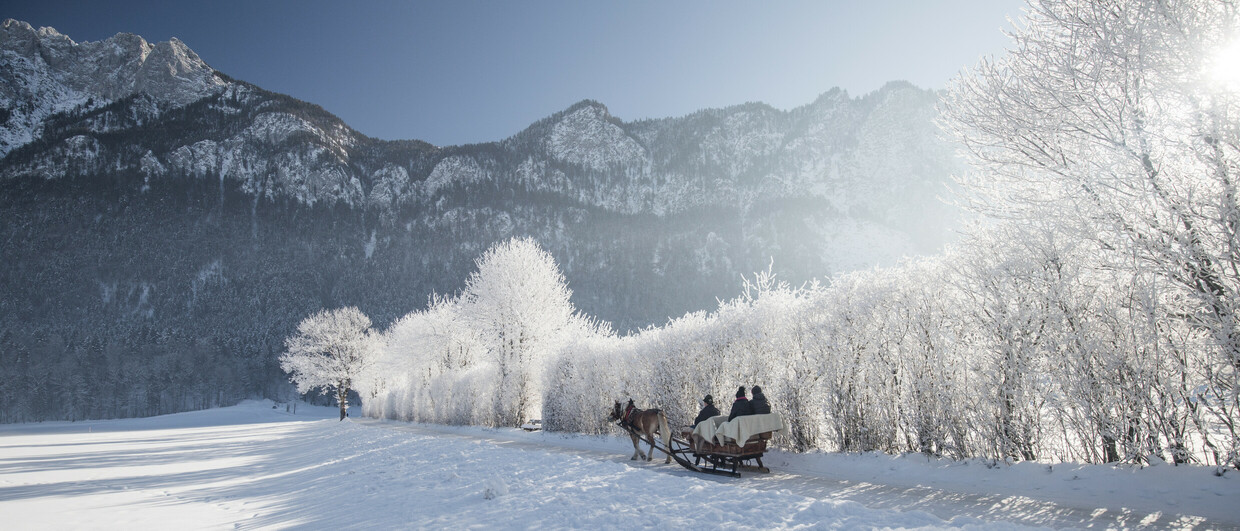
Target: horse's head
(616, 413)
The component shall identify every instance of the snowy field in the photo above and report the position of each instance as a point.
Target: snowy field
(252, 466)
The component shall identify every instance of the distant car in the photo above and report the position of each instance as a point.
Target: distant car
(533, 425)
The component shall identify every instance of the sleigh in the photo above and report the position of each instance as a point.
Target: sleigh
(719, 446)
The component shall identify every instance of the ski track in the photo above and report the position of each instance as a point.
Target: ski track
(252, 467)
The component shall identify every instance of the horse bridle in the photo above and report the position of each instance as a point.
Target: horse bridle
(624, 419)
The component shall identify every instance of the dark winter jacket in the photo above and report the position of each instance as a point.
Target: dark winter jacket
(707, 412)
(759, 404)
(740, 407)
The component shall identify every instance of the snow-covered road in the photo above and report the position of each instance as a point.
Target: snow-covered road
(250, 466)
(1081, 497)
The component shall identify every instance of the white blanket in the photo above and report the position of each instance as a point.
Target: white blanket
(739, 429)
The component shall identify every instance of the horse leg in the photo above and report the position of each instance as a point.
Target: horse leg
(636, 449)
(650, 437)
(667, 437)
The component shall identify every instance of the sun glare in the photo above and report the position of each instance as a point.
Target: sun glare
(1224, 66)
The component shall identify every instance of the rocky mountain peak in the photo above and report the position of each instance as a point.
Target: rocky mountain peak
(597, 106)
(16, 30)
(586, 134)
(874, 157)
(173, 72)
(45, 60)
(46, 73)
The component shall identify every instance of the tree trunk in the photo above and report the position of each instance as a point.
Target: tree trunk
(1108, 446)
(342, 398)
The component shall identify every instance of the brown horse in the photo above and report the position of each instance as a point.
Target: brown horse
(645, 422)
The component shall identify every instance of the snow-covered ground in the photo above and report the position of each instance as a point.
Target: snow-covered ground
(254, 466)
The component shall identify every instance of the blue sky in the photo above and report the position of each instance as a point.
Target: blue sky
(477, 71)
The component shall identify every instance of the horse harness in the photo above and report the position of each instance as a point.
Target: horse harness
(627, 418)
(631, 413)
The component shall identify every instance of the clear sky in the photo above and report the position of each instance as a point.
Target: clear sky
(455, 72)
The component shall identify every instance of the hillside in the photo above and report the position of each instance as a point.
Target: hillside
(166, 225)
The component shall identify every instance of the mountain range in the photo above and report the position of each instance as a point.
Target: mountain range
(165, 226)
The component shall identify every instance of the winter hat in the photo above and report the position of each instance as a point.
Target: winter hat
(740, 392)
(709, 400)
(757, 390)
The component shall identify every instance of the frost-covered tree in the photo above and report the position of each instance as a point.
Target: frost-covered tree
(1119, 120)
(518, 303)
(330, 351)
(923, 314)
(423, 360)
(1010, 319)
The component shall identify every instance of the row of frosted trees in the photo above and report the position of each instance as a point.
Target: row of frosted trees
(1092, 315)
(1007, 347)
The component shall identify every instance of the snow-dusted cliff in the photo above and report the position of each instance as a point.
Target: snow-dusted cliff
(869, 155)
(45, 72)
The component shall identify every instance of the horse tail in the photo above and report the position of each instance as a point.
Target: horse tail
(666, 433)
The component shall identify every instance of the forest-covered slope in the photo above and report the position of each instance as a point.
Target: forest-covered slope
(166, 226)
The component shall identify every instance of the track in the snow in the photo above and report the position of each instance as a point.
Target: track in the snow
(942, 503)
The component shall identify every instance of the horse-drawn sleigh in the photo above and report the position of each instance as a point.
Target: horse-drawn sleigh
(714, 446)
